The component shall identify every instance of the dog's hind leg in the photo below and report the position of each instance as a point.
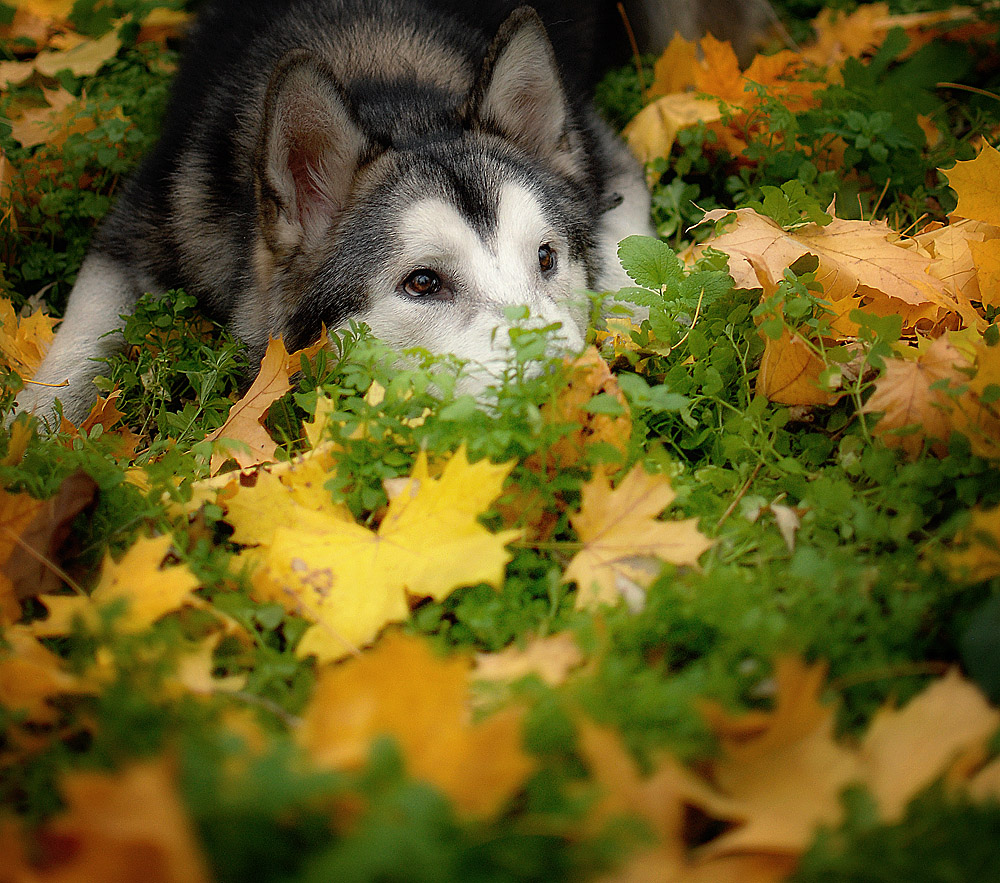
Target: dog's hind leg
(105, 290)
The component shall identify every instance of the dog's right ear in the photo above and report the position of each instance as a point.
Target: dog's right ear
(309, 149)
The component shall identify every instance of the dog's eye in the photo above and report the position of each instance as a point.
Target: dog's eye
(421, 283)
(546, 258)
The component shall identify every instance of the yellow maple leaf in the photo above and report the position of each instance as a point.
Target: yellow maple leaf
(977, 183)
(946, 726)
(623, 544)
(401, 689)
(951, 248)
(986, 257)
(651, 133)
(83, 59)
(24, 340)
(31, 675)
(148, 590)
(978, 558)
(352, 581)
(283, 494)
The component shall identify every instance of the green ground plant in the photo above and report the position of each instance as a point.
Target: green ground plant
(860, 585)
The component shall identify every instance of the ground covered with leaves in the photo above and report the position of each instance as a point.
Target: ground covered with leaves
(719, 600)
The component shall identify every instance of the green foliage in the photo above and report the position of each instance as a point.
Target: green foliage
(940, 840)
(857, 587)
(178, 380)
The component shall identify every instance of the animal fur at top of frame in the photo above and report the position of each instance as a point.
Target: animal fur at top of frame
(418, 165)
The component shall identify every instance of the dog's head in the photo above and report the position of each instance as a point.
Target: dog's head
(428, 228)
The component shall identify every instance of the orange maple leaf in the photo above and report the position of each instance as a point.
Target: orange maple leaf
(243, 425)
(623, 543)
(401, 689)
(123, 827)
(784, 770)
(17, 511)
(910, 397)
(790, 372)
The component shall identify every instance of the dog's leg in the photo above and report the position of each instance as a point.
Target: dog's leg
(91, 329)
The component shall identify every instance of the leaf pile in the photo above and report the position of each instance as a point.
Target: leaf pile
(718, 599)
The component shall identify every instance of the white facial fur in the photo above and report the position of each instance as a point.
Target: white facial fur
(483, 278)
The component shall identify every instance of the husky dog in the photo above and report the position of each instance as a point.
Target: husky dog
(416, 165)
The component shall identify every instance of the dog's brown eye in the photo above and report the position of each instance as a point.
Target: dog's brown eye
(546, 258)
(421, 283)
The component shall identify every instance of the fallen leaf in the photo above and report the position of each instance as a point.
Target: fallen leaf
(195, 671)
(283, 495)
(788, 523)
(15, 73)
(588, 376)
(623, 544)
(54, 123)
(906, 749)
(551, 658)
(33, 566)
(31, 675)
(790, 372)
(676, 68)
(24, 341)
(910, 397)
(977, 183)
(351, 581)
(851, 254)
(651, 133)
(148, 590)
(48, 10)
(123, 827)
(163, 24)
(82, 60)
(17, 511)
(786, 779)
(840, 35)
(243, 426)
(401, 689)
(978, 557)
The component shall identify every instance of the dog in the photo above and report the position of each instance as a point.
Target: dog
(416, 165)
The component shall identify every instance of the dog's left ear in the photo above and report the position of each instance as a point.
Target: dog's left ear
(519, 93)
